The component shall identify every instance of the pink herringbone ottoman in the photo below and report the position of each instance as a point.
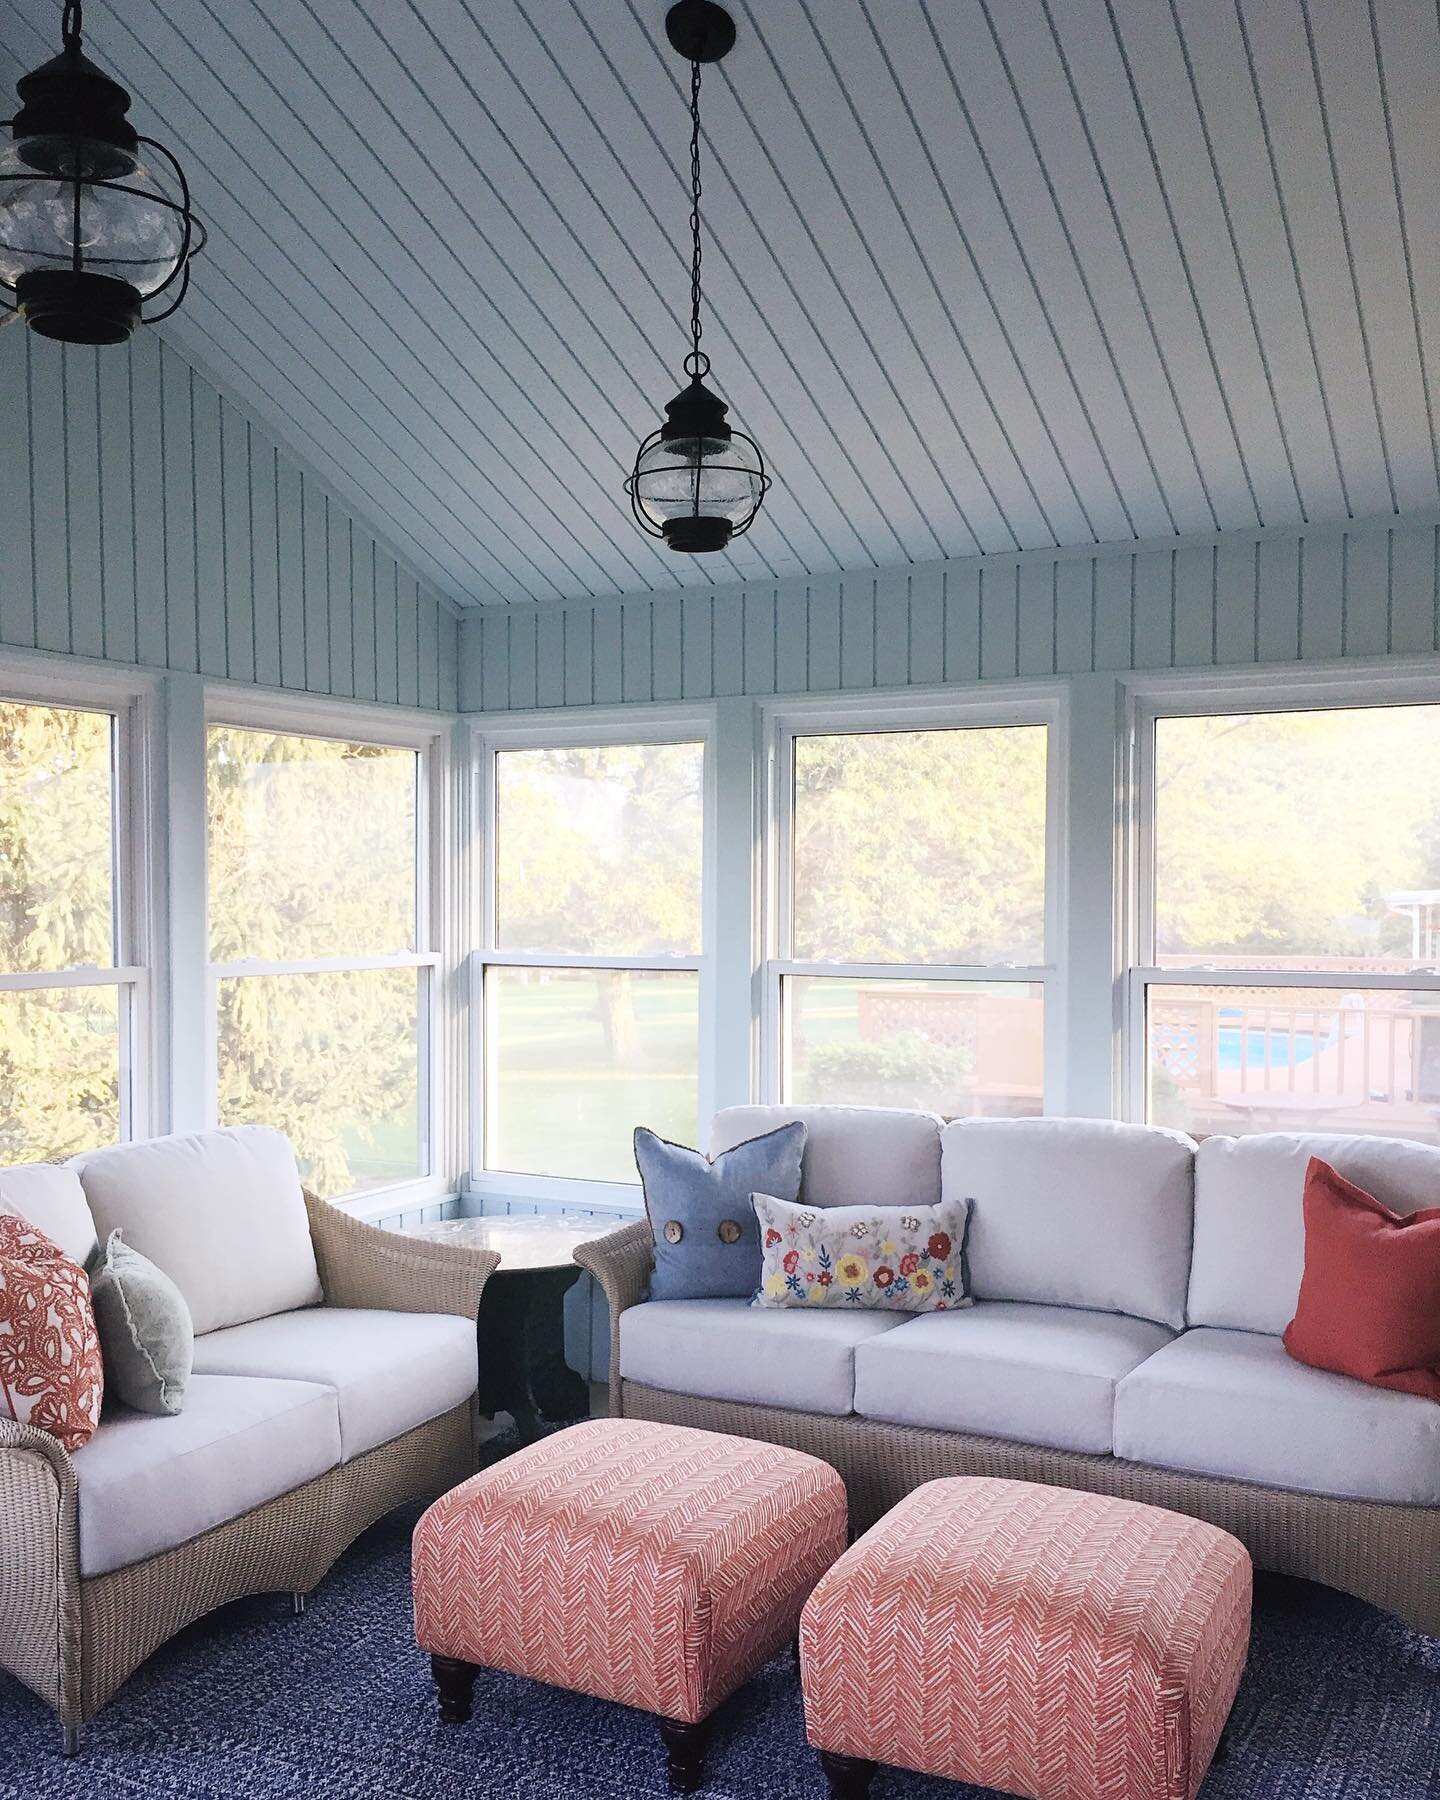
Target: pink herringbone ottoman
(648, 1564)
(1053, 1644)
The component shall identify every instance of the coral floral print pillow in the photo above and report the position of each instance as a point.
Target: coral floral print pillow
(888, 1258)
(51, 1375)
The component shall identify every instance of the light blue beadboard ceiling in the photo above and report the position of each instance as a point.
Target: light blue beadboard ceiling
(984, 274)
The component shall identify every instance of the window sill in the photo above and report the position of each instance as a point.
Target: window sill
(496, 1193)
(389, 1202)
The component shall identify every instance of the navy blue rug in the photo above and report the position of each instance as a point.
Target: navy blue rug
(1340, 1703)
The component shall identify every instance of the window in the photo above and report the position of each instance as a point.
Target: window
(1290, 921)
(913, 922)
(591, 977)
(321, 965)
(71, 995)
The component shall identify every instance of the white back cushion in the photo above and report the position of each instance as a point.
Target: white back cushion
(1076, 1212)
(221, 1212)
(51, 1198)
(854, 1155)
(1250, 1220)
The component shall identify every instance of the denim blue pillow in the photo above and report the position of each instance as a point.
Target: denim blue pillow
(707, 1244)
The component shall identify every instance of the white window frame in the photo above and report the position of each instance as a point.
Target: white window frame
(133, 701)
(597, 729)
(1016, 704)
(1399, 682)
(428, 735)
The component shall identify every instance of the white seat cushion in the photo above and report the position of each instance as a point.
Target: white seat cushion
(1250, 1220)
(1042, 1374)
(390, 1371)
(148, 1483)
(1076, 1212)
(52, 1200)
(729, 1350)
(854, 1155)
(221, 1212)
(1234, 1403)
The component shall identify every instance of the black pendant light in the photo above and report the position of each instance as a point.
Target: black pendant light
(87, 232)
(697, 481)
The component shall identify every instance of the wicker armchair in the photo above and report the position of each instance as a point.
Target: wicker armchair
(1386, 1554)
(74, 1640)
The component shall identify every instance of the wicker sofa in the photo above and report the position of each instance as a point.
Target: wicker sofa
(1130, 1292)
(335, 1378)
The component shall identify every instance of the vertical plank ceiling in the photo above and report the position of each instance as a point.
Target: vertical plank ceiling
(983, 274)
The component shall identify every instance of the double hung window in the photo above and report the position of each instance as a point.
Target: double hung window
(73, 988)
(323, 965)
(591, 987)
(1289, 920)
(913, 917)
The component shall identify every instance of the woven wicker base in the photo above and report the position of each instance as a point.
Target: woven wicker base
(1388, 1555)
(286, 1545)
(109, 1625)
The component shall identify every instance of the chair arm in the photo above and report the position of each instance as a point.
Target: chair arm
(621, 1262)
(39, 1567)
(361, 1265)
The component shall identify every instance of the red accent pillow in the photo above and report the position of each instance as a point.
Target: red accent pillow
(51, 1375)
(1370, 1296)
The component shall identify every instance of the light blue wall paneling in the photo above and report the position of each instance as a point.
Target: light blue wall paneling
(145, 518)
(1365, 590)
(436, 1214)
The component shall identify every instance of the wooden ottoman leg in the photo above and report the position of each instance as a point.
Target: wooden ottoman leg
(849, 1776)
(456, 1682)
(685, 1747)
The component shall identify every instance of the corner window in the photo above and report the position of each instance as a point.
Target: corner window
(1290, 921)
(71, 993)
(913, 918)
(590, 979)
(321, 963)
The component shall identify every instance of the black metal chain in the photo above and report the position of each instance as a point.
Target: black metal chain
(70, 24)
(697, 357)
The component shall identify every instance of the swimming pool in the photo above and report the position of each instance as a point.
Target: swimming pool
(1239, 1046)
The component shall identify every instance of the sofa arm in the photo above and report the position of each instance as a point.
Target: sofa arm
(361, 1265)
(621, 1262)
(39, 1567)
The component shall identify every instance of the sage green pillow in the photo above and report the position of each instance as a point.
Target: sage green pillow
(146, 1334)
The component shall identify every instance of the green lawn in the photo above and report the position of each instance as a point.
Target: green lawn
(564, 1108)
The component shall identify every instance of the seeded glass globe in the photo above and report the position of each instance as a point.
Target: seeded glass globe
(706, 478)
(131, 237)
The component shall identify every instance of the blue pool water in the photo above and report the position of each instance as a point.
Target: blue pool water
(1237, 1047)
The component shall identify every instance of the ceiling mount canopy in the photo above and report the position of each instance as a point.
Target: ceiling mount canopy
(697, 482)
(87, 233)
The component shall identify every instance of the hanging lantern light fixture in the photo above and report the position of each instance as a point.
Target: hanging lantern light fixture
(88, 233)
(697, 482)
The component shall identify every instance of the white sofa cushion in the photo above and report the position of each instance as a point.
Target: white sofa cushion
(391, 1371)
(51, 1199)
(221, 1212)
(729, 1350)
(1075, 1212)
(854, 1155)
(147, 1483)
(1250, 1220)
(1232, 1403)
(1042, 1374)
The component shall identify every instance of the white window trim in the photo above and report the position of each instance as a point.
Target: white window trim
(1394, 682)
(596, 728)
(133, 698)
(429, 735)
(1014, 703)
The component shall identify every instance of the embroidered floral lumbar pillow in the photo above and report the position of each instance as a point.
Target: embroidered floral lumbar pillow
(892, 1258)
(51, 1374)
